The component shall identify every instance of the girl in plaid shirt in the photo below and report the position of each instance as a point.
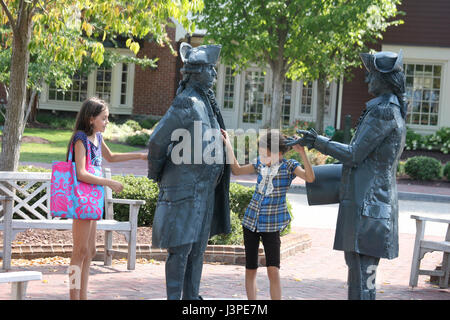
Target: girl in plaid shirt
(267, 213)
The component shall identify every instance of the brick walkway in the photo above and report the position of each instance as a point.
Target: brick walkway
(319, 273)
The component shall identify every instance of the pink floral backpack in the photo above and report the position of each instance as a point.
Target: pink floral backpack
(73, 199)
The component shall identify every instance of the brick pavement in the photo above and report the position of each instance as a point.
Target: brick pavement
(318, 273)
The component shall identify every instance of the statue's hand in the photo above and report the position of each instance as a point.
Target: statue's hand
(308, 139)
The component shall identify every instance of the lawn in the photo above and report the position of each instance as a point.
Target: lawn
(57, 148)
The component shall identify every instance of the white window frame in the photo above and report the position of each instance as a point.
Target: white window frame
(429, 55)
(114, 105)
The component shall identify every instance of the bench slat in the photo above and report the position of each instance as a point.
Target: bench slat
(442, 218)
(111, 225)
(20, 276)
(18, 176)
(443, 246)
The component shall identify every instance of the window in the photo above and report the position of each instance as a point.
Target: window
(76, 93)
(286, 104)
(228, 92)
(123, 84)
(423, 85)
(103, 84)
(306, 103)
(253, 97)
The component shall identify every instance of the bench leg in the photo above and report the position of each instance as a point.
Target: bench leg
(18, 290)
(132, 239)
(420, 231)
(7, 234)
(443, 281)
(108, 248)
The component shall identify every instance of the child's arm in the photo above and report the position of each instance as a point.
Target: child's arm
(236, 169)
(119, 157)
(306, 174)
(83, 175)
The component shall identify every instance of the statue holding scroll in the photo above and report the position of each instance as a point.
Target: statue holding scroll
(367, 224)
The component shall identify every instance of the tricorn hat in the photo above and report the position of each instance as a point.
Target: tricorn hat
(384, 61)
(206, 54)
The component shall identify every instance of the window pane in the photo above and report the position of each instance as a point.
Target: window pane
(306, 97)
(423, 84)
(73, 93)
(228, 94)
(103, 84)
(253, 96)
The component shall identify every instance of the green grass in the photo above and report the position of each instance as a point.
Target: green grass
(56, 150)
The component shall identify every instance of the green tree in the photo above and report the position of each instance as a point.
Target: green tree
(307, 39)
(47, 41)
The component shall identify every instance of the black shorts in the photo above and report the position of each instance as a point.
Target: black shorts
(271, 242)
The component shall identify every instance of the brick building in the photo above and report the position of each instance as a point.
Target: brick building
(245, 98)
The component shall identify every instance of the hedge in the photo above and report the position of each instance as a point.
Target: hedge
(144, 189)
(447, 171)
(423, 168)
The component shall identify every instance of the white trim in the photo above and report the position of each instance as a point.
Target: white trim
(432, 55)
(114, 106)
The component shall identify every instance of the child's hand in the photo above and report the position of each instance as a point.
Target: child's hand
(300, 149)
(115, 186)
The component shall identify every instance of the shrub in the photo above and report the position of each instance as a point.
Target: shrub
(240, 197)
(401, 168)
(235, 237)
(338, 136)
(140, 139)
(447, 171)
(133, 125)
(413, 140)
(148, 123)
(139, 188)
(442, 138)
(116, 132)
(423, 168)
(62, 121)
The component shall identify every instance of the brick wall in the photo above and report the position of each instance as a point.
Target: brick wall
(427, 23)
(154, 90)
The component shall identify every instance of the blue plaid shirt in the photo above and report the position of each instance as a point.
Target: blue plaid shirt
(267, 211)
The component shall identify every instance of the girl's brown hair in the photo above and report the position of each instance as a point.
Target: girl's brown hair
(273, 140)
(91, 107)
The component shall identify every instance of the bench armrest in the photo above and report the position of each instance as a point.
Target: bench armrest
(126, 201)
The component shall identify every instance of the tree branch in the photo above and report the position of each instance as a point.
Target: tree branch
(9, 15)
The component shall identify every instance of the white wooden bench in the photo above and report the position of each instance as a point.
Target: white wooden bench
(421, 247)
(19, 281)
(12, 183)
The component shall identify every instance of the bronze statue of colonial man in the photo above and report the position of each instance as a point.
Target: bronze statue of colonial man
(193, 202)
(367, 224)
